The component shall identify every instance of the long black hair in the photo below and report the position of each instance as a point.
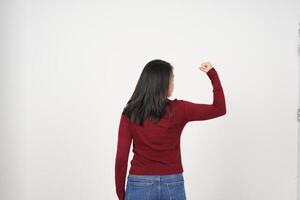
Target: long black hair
(150, 97)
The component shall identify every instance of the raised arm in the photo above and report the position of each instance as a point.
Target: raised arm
(121, 160)
(199, 111)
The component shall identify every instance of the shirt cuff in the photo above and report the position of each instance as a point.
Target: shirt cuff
(211, 72)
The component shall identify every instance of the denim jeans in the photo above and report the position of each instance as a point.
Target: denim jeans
(155, 187)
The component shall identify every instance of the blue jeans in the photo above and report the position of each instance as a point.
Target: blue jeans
(155, 187)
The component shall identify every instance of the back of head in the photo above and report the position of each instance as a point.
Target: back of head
(150, 97)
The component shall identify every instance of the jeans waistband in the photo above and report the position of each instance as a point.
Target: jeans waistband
(156, 177)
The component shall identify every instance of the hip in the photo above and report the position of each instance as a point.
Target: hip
(152, 187)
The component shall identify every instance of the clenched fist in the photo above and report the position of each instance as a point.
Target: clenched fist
(205, 67)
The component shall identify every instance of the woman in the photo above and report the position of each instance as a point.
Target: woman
(154, 123)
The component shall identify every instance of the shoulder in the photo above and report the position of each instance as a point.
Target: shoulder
(124, 118)
(182, 104)
(175, 100)
(178, 101)
(178, 106)
(125, 122)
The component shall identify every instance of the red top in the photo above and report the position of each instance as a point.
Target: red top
(156, 147)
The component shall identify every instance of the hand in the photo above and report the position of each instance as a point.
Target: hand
(205, 67)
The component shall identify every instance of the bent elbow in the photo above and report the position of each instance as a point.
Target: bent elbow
(223, 111)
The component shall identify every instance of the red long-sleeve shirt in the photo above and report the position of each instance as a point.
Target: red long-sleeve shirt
(156, 147)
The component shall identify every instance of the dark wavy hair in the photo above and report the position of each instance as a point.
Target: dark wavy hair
(150, 97)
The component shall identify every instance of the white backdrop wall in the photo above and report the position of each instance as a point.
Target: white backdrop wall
(69, 67)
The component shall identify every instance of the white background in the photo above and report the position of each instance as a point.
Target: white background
(69, 67)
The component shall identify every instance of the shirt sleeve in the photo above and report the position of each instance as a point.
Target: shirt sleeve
(198, 111)
(121, 160)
